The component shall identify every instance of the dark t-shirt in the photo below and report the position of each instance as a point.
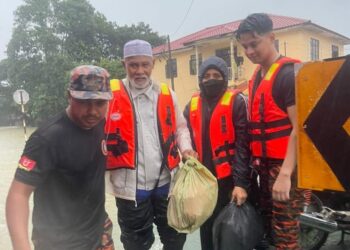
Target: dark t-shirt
(283, 90)
(66, 166)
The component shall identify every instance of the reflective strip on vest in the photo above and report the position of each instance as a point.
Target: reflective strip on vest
(194, 103)
(196, 123)
(226, 98)
(115, 85)
(272, 71)
(164, 89)
(269, 125)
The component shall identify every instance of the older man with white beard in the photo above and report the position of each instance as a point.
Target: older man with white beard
(145, 131)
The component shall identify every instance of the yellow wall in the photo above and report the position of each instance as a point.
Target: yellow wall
(325, 45)
(185, 84)
(292, 43)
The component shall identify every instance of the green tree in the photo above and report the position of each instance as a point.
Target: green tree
(114, 67)
(8, 108)
(50, 37)
(139, 31)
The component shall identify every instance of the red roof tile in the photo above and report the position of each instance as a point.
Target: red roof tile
(279, 22)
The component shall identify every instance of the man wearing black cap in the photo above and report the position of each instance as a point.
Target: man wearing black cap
(273, 125)
(217, 119)
(63, 164)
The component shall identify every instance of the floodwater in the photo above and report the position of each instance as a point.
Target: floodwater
(11, 147)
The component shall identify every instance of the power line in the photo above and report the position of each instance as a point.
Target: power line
(184, 19)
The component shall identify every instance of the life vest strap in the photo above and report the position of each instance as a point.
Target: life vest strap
(268, 125)
(227, 158)
(271, 136)
(225, 147)
(113, 137)
(169, 148)
(168, 116)
(118, 149)
(121, 146)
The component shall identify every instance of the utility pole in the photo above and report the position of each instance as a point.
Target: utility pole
(21, 97)
(23, 116)
(170, 65)
(285, 48)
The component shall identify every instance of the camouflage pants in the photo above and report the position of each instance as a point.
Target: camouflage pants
(281, 218)
(106, 240)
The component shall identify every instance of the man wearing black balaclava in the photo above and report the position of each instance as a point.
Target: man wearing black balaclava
(217, 119)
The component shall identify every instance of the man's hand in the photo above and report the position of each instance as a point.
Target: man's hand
(281, 187)
(188, 153)
(239, 195)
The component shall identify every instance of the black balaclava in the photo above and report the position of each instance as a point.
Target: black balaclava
(213, 89)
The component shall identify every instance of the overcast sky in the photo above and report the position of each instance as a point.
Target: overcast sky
(166, 16)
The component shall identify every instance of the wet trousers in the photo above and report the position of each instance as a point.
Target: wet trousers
(136, 224)
(281, 218)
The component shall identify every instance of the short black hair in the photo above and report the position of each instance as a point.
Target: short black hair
(259, 23)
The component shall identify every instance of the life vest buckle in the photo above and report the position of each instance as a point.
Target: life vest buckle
(122, 145)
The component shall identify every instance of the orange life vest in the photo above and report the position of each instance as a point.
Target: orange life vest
(121, 128)
(221, 131)
(270, 126)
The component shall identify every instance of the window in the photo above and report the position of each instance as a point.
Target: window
(335, 51)
(225, 55)
(277, 45)
(171, 68)
(193, 68)
(314, 49)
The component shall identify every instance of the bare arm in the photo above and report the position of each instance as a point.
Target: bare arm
(17, 214)
(281, 188)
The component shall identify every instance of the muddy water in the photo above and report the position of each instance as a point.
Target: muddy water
(11, 146)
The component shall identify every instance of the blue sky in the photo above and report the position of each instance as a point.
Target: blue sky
(165, 16)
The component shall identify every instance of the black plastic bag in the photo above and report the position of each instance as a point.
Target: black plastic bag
(237, 228)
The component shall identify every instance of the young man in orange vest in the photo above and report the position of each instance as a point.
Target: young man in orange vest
(145, 129)
(217, 119)
(273, 124)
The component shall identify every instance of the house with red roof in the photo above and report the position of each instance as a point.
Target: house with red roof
(295, 37)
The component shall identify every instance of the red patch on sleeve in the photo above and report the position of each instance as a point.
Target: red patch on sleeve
(26, 164)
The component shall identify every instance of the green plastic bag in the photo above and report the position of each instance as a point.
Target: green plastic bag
(193, 197)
